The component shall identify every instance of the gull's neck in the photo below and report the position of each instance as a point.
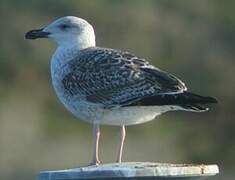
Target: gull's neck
(79, 43)
(65, 53)
(67, 49)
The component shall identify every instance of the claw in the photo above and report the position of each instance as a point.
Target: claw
(95, 163)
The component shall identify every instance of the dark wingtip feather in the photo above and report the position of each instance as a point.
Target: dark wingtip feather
(211, 100)
(195, 98)
(184, 98)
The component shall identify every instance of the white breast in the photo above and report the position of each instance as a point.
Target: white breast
(133, 115)
(76, 105)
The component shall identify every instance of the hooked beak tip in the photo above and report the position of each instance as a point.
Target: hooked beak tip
(36, 33)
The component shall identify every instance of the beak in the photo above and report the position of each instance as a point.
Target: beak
(36, 33)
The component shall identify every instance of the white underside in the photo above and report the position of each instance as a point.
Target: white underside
(132, 115)
(119, 116)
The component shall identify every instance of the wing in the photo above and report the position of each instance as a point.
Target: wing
(116, 78)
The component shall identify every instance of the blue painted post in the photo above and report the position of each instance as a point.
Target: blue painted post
(133, 170)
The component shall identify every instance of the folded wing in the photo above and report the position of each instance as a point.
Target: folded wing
(115, 78)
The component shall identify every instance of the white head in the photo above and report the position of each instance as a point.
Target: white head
(67, 31)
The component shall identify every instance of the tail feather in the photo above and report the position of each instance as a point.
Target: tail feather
(194, 108)
(195, 102)
(186, 100)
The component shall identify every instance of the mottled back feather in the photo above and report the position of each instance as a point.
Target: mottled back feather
(116, 78)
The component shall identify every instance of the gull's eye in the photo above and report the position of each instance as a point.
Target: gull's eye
(64, 26)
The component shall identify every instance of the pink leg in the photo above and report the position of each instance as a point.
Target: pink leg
(96, 137)
(120, 149)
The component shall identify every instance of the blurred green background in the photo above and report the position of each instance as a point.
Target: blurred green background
(193, 39)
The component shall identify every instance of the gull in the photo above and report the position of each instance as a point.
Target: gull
(104, 86)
